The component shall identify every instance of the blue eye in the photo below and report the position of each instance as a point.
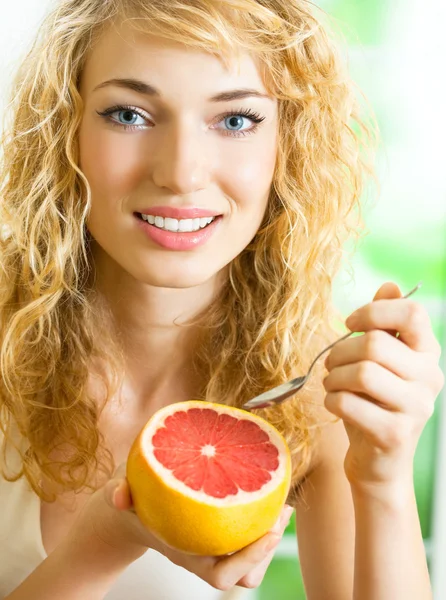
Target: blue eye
(240, 123)
(235, 122)
(127, 117)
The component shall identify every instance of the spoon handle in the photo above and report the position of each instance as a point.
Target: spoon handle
(344, 337)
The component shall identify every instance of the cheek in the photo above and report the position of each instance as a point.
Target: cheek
(110, 164)
(247, 174)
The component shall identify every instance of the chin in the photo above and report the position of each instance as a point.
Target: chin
(187, 276)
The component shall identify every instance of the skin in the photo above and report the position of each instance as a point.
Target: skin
(383, 388)
(181, 156)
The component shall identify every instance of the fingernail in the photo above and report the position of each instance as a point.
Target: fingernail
(276, 527)
(272, 543)
(352, 320)
(287, 514)
(283, 520)
(110, 491)
(116, 491)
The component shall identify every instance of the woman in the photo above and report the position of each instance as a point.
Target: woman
(178, 182)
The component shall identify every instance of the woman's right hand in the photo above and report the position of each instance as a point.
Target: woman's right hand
(109, 516)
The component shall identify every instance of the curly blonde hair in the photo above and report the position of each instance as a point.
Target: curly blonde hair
(275, 309)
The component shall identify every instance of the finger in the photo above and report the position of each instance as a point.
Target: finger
(229, 570)
(225, 571)
(123, 497)
(367, 377)
(409, 318)
(117, 494)
(282, 522)
(380, 426)
(389, 290)
(255, 577)
(383, 349)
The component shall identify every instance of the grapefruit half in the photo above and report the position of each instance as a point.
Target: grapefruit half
(207, 478)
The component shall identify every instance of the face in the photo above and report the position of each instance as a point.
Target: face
(180, 164)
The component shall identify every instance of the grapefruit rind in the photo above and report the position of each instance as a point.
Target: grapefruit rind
(193, 522)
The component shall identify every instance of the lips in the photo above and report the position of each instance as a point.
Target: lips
(179, 241)
(179, 213)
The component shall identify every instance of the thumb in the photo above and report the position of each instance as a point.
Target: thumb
(388, 291)
(114, 486)
(117, 494)
(110, 489)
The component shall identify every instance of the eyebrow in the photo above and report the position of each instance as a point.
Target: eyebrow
(148, 90)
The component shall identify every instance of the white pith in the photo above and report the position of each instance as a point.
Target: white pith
(175, 225)
(241, 497)
(208, 450)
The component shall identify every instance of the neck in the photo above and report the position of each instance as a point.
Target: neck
(157, 342)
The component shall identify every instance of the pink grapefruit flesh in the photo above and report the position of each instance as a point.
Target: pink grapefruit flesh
(215, 453)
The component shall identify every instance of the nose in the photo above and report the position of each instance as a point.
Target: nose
(181, 164)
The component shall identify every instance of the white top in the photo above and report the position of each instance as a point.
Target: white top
(151, 577)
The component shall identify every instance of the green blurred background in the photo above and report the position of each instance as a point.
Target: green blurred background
(393, 48)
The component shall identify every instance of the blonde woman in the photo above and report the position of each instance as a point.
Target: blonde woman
(178, 181)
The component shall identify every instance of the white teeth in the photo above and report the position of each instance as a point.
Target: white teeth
(171, 224)
(183, 225)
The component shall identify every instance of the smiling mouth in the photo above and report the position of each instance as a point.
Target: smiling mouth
(178, 225)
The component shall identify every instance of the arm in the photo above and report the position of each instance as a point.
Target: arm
(73, 572)
(387, 559)
(383, 388)
(82, 567)
(325, 522)
(390, 560)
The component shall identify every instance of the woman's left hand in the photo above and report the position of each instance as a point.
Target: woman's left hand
(384, 387)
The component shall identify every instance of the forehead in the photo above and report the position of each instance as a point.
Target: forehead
(122, 51)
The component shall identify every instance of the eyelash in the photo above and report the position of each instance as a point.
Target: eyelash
(248, 113)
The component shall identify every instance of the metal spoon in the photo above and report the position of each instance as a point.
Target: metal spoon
(285, 390)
